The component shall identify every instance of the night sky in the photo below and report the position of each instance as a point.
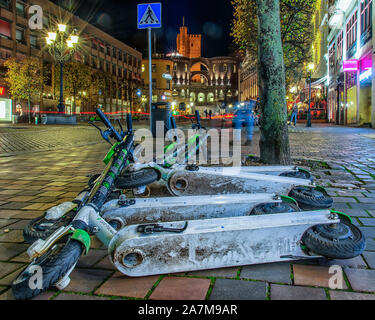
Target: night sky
(211, 18)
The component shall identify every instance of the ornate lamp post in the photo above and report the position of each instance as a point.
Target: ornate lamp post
(62, 47)
(310, 68)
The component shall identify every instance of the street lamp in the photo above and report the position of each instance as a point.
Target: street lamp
(62, 47)
(310, 68)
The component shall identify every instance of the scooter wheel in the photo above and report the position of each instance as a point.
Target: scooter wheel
(134, 180)
(53, 265)
(274, 208)
(311, 199)
(298, 175)
(337, 241)
(41, 228)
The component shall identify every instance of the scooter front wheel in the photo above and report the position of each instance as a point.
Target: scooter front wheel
(41, 228)
(47, 271)
(337, 241)
(274, 208)
(311, 199)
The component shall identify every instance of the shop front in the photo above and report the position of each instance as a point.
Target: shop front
(5, 106)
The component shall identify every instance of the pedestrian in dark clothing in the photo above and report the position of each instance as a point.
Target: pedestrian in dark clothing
(210, 114)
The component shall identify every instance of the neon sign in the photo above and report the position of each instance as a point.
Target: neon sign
(365, 75)
(350, 65)
(2, 91)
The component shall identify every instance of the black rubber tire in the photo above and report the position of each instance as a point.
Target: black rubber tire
(40, 228)
(298, 174)
(320, 240)
(54, 268)
(311, 199)
(274, 208)
(133, 180)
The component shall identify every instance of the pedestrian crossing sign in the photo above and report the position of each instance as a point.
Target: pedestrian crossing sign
(149, 15)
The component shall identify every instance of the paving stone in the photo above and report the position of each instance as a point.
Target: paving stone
(315, 276)
(7, 295)
(12, 206)
(86, 280)
(11, 250)
(370, 245)
(28, 214)
(365, 206)
(7, 268)
(221, 273)
(44, 296)
(15, 236)
(366, 200)
(344, 200)
(369, 232)
(7, 222)
(77, 297)
(356, 262)
(226, 289)
(105, 264)
(355, 213)
(370, 259)
(361, 280)
(173, 288)
(123, 286)
(343, 295)
(20, 225)
(368, 222)
(23, 257)
(93, 257)
(275, 272)
(280, 292)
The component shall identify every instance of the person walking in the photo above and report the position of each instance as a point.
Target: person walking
(210, 114)
(294, 114)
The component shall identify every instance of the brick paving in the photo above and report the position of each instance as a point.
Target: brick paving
(32, 180)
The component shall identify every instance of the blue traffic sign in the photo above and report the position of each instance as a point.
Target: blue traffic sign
(149, 15)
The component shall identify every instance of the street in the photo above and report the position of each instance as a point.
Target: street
(34, 179)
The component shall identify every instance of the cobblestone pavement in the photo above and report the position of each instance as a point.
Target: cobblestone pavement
(32, 182)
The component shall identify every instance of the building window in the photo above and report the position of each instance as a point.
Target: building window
(351, 31)
(114, 69)
(20, 9)
(214, 68)
(225, 68)
(102, 49)
(120, 72)
(153, 68)
(114, 52)
(332, 59)
(125, 73)
(107, 68)
(154, 83)
(340, 39)
(120, 55)
(186, 67)
(33, 41)
(125, 57)
(94, 63)
(20, 35)
(94, 45)
(5, 29)
(143, 68)
(168, 85)
(168, 68)
(6, 4)
(366, 15)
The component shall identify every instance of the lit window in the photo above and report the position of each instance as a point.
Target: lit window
(351, 31)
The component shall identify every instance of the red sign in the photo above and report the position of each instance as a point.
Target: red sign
(2, 91)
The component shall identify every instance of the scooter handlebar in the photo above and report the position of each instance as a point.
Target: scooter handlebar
(109, 125)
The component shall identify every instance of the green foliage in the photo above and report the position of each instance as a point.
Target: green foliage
(296, 32)
(24, 77)
(77, 77)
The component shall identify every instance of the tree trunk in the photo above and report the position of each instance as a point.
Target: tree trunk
(274, 140)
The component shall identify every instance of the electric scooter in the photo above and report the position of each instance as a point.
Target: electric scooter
(180, 246)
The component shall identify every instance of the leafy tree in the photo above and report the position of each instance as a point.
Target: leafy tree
(25, 79)
(296, 32)
(77, 77)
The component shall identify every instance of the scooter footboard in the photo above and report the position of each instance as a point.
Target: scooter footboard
(210, 244)
(230, 181)
(185, 208)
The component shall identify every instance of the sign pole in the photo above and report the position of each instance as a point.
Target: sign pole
(150, 73)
